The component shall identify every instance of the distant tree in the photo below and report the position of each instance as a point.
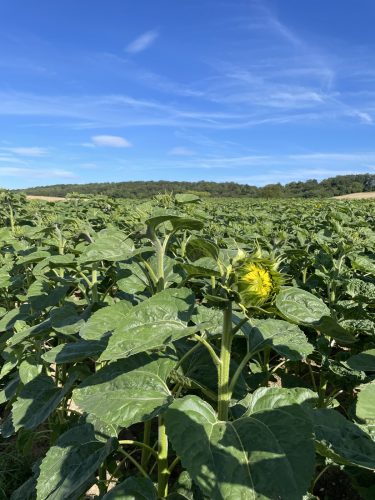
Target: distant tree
(333, 186)
(272, 191)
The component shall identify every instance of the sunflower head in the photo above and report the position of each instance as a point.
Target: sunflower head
(257, 281)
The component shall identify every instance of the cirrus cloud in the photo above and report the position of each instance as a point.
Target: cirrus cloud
(181, 151)
(112, 141)
(142, 42)
(33, 151)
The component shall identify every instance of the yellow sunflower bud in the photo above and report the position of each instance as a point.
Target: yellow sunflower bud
(257, 281)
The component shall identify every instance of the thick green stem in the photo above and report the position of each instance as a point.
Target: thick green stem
(94, 283)
(163, 471)
(146, 442)
(11, 219)
(102, 483)
(224, 393)
(304, 275)
(161, 248)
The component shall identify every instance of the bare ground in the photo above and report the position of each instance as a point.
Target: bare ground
(356, 196)
(45, 198)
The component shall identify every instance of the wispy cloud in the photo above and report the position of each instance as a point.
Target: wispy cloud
(89, 165)
(10, 159)
(356, 160)
(362, 115)
(142, 42)
(33, 151)
(266, 19)
(31, 173)
(112, 141)
(181, 151)
(230, 102)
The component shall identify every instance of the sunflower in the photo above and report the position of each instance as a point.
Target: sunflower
(257, 281)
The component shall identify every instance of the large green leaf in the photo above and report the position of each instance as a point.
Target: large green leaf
(54, 261)
(109, 244)
(176, 221)
(9, 390)
(75, 351)
(206, 266)
(105, 320)
(341, 440)
(301, 307)
(361, 291)
(210, 317)
(183, 198)
(363, 263)
(19, 313)
(285, 338)
(135, 390)
(267, 398)
(42, 294)
(29, 369)
(365, 361)
(152, 324)
(26, 333)
(133, 278)
(197, 248)
(365, 407)
(331, 328)
(149, 336)
(37, 400)
(72, 463)
(65, 320)
(33, 257)
(133, 488)
(266, 456)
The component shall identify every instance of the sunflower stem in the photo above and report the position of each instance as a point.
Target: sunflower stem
(163, 471)
(224, 393)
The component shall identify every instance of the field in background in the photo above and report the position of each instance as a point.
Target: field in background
(356, 196)
(44, 198)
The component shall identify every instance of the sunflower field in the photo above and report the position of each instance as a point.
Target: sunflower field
(186, 349)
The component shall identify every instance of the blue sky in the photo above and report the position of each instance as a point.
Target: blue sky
(251, 91)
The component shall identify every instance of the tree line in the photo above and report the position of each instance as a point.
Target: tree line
(334, 186)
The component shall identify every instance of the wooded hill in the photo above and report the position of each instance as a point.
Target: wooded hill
(334, 186)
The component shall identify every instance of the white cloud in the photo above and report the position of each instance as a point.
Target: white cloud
(27, 151)
(89, 165)
(142, 42)
(231, 102)
(10, 159)
(181, 151)
(40, 173)
(363, 116)
(112, 141)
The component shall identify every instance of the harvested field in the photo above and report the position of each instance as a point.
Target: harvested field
(356, 196)
(45, 198)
